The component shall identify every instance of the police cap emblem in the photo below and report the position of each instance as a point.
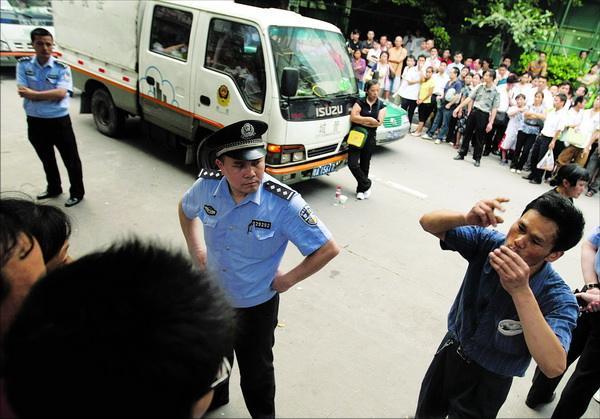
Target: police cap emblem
(247, 130)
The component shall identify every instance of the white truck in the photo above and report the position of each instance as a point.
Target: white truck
(192, 67)
(16, 23)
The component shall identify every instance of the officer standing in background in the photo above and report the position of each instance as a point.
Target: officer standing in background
(45, 84)
(485, 100)
(248, 218)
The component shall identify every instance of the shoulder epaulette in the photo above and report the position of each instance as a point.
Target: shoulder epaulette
(23, 59)
(62, 64)
(210, 174)
(279, 190)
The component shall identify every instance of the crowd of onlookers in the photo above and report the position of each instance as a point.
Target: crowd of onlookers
(412, 73)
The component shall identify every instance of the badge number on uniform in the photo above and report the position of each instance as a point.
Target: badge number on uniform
(308, 216)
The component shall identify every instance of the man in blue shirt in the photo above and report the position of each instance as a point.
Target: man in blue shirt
(248, 218)
(45, 85)
(511, 305)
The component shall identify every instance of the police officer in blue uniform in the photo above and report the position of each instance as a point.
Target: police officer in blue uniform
(46, 85)
(248, 218)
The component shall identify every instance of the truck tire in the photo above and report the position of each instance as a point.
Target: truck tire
(109, 119)
(205, 158)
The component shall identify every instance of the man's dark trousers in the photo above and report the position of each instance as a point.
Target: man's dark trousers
(540, 147)
(254, 340)
(457, 387)
(45, 134)
(584, 381)
(475, 131)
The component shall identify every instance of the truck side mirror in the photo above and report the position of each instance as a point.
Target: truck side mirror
(289, 81)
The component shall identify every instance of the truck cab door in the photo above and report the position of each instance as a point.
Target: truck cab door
(230, 83)
(166, 52)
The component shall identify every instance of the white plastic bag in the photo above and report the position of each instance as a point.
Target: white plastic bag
(547, 162)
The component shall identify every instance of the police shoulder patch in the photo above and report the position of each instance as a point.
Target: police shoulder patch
(62, 64)
(308, 216)
(210, 174)
(23, 59)
(279, 190)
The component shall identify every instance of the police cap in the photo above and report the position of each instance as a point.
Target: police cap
(241, 140)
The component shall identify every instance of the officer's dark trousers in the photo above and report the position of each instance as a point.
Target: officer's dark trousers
(459, 388)
(47, 133)
(253, 348)
(475, 131)
(585, 380)
(359, 162)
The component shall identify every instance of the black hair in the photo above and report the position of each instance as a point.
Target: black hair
(566, 83)
(421, 55)
(411, 57)
(491, 73)
(458, 52)
(568, 219)
(384, 52)
(562, 97)
(456, 71)
(39, 32)
(539, 51)
(576, 101)
(135, 331)
(571, 173)
(370, 84)
(355, 31)
(520, 95)
(11, 228)
(512, 79)
(48, 224)
(585, 89)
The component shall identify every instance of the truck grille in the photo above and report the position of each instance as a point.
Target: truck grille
(322, 150)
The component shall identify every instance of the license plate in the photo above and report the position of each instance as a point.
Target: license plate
(393, 135)
(323, 170)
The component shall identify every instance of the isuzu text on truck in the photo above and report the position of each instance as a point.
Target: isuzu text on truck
(192, 67)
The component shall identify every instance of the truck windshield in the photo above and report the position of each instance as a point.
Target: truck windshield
(320, 57)
(31, 12)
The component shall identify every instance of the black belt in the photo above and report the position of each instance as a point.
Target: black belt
(479, 110)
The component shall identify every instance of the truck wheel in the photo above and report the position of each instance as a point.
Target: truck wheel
(109, 119)
(205, 158)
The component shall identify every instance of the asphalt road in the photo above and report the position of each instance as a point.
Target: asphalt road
(356, 338)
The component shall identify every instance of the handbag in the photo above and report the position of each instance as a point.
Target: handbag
(574, 137)
(357, 137)
(547, 162)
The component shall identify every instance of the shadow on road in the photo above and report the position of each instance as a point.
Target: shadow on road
(144, 138)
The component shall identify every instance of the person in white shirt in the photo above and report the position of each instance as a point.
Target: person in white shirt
(524, 85)
(408, 93)
(578, 137)
(458, 57)
(433, 60)
(507, 99)
(540, 84)
(373, 55)
(554, 124)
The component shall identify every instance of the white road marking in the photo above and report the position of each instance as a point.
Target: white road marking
(400, 188)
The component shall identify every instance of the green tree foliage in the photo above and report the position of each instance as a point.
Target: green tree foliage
(560, 67)
(518, 21)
